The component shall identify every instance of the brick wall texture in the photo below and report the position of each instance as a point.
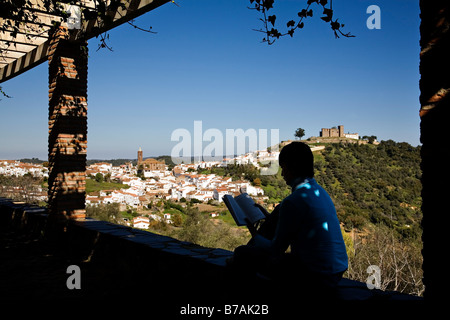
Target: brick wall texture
(67, 123)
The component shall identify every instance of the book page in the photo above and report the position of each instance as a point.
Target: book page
(237, 213)
(247, 204)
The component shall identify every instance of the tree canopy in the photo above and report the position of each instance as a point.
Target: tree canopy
(299, 133)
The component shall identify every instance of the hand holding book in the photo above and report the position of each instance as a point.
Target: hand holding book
(251, 227)
(244, 210)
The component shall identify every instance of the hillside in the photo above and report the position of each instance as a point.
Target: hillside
(376, 190)
(377, 193)
(373, 184)
(369, 184)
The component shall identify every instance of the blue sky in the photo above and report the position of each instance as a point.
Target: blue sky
(207, 64)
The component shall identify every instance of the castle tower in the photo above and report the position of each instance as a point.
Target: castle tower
(341, 131)
(139, 156)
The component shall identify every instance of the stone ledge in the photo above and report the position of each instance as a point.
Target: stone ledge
(163, 243)
(172, 263)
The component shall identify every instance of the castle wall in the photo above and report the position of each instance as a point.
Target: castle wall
(332, 132)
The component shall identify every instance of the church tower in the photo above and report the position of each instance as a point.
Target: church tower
(139, 158)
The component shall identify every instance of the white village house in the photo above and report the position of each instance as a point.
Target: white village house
(141, 222)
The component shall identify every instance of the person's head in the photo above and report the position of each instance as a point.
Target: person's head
(296, 160)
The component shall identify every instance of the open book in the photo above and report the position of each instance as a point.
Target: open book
(242, 207)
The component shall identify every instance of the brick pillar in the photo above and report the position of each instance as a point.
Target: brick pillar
(435, 117)
(67, 123)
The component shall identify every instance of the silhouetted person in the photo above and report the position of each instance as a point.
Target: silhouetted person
(305, 221)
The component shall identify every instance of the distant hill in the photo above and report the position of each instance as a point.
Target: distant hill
(114, 162)
(32, 160)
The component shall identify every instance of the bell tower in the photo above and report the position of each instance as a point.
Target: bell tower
(139, 156)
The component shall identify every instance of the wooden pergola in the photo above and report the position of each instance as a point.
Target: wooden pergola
(26, 42)
(58, 32)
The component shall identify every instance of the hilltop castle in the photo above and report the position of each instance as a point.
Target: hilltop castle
(337, 132)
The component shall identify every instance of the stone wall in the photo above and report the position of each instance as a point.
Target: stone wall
(131, 264)
(332, 132)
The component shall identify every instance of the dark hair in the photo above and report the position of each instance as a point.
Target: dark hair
(298, 158)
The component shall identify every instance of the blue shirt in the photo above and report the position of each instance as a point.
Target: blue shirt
(308, 223)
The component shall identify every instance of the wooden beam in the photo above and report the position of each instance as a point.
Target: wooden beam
(38, 54)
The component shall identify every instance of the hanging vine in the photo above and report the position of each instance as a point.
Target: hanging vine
(24, 17)
(272, 34)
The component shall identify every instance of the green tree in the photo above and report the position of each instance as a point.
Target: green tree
(257, 182)
(199, 229)
(177, 220)
(99, 177)
(105, 212)
(299, 133)
(107, 177)
(372, 139)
